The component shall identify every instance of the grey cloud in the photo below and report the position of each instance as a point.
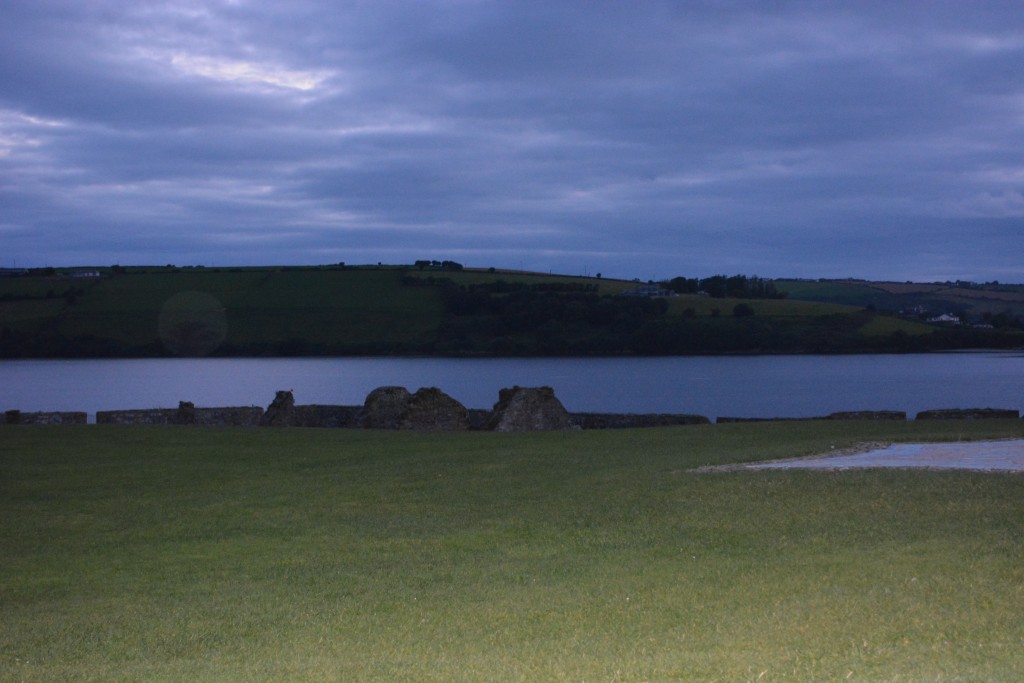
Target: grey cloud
(650, 140)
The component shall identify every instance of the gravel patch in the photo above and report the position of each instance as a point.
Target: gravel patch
(983, 456)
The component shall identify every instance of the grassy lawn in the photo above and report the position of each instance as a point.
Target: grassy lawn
(190, 554)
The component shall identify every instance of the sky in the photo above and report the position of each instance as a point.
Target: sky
(650, 139)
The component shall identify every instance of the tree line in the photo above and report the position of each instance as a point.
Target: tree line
(722, 286)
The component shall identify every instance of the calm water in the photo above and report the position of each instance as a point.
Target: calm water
(736, 386)
(744, 386)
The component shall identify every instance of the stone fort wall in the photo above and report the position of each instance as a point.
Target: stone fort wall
(429, 409)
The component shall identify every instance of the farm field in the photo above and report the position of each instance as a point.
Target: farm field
(892, 296)
(250, 311)
(191, 554)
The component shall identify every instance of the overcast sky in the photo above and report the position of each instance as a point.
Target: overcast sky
(638, 139)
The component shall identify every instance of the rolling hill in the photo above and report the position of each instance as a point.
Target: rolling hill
(444, 309)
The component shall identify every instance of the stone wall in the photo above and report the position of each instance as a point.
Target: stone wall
(849, 415)
(968, 414)
(430, 409)
(155, 416)
(384, 407)
(732, 420)
(633, 420)
(478, 418)
(228, 417)
(185, 414)
(869, 415)
(43, 418)
(528, 409)
(324, 416)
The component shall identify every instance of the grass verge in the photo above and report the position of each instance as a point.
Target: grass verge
(185, 554)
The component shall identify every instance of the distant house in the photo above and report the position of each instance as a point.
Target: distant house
(85, 274)
(945, 319)
(916, 311)
(649, 291)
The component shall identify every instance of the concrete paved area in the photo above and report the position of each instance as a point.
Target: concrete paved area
(989, 456)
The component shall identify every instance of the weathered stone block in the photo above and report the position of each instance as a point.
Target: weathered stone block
(186, 413)
(279, 412)
(478, 418)
(430, 409)
(527, 409)
(384, 408)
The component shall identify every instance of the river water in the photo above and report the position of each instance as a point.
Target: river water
(716, 386)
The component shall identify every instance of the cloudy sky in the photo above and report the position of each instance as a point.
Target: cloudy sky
(638, 139)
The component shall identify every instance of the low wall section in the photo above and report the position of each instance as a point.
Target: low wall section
(323, 416)
(633, 420)
(13, 417)
(852, 415)
(969, 414)
(348, 417)
(156, 416)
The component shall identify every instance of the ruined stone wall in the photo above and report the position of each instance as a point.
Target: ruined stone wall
(183, 415)
(478, 418)
(43, 418)
(155, 416)
(732, 420)
(430, 409)
(528, 409)
(849, 415)
(324, 416)
(229, 417)
(870, 415)
(633, 420)
(968, 414)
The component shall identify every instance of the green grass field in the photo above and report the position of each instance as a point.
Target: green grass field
(191, 554)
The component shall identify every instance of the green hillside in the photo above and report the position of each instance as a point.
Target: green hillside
(435, 309)
(252, 311)
(975, 302)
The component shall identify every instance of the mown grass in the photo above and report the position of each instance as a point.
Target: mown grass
(184, 554)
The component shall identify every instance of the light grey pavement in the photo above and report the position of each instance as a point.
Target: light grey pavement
(1005, 456)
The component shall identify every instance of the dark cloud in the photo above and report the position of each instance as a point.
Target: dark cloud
(872, 139)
